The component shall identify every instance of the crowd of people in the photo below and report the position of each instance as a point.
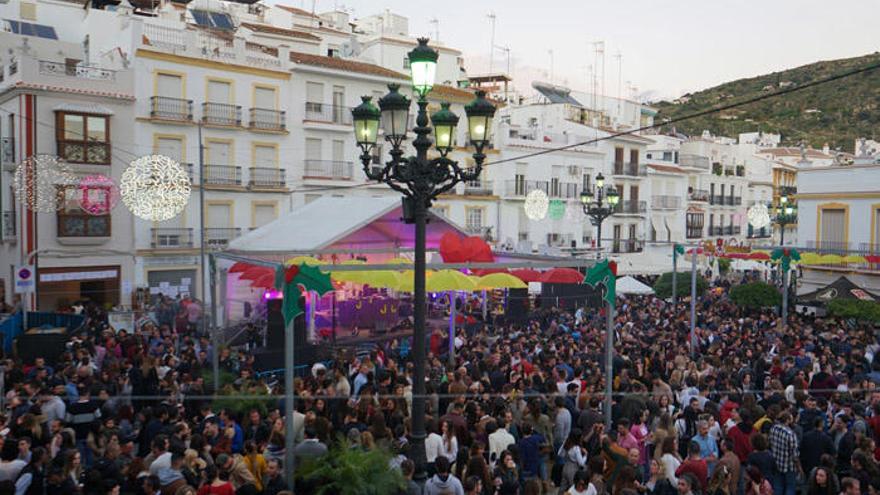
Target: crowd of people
(759, 407)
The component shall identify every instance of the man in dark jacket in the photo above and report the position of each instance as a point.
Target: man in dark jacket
(274, 481)
(814, 444)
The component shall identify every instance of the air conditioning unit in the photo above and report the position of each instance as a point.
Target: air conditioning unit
(574, 170)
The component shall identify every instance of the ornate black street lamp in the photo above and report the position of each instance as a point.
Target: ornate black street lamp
(420, 180)
(599, 204)
(786, 213)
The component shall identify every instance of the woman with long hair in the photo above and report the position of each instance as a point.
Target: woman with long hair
(719, 482)
(820, 483)
(669, 458)
(255, 463)
(213, 485)
(449, 445)
(275, 445)
(506, 477)
(575, 457)
(73, 468)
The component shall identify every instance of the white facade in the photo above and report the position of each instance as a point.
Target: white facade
(839, 212)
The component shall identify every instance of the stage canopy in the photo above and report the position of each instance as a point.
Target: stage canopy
(630, 286)
(340, 223)
(842, 288)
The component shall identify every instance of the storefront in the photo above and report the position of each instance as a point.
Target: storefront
(58, 288)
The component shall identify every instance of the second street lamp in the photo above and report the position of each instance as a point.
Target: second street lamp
(599, 204)
(786, 213)
(420, 180)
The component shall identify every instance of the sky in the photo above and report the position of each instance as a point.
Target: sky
(668, 47)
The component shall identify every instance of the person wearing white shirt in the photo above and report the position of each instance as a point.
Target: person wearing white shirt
(448, 443)
(499, 440)
(669, 460)
(432, 445)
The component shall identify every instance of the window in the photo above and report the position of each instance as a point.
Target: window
(519, 183)
(406, 62)
(875, 236)
(833, 227)
(586, 183)
(695, 225)
(30, 29)
(474, 219)
(333, 51)
(264, 213)
(219, 91)
(169, 85)
(315, 96)
(74, 222)
(667, 156)
(554, 187)
(265, 97)
(634, 157)
(265, 156)
(170, 146)
(441, 211)
(83, 138)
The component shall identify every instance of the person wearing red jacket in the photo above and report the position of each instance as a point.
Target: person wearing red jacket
(741, 434)
(696, 466)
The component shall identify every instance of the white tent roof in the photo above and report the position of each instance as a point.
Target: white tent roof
(629, 285)
(327, 220)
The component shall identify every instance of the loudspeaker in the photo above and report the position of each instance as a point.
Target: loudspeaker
(517, 305)
(275, 325)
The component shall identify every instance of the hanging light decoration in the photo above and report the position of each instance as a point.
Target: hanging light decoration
(556, 210)
(98, 194)
(155, 187)
(759, 216)
(536, 205)
(39, 182)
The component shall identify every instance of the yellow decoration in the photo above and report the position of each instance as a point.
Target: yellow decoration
(831, 259)
(308, 260)
(854, 258)
(500, 281)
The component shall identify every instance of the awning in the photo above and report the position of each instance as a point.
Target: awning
(82, 275)
(674, 227)
(659, 225)
(91, 108)
(629, 285)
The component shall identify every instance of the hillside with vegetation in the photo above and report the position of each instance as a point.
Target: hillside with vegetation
(835, 113)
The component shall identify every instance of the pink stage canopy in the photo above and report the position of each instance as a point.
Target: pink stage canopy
(353, 224)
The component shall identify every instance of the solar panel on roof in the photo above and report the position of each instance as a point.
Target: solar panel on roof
(222, 21)
(28, 29)
(201, 17)
(13, 25)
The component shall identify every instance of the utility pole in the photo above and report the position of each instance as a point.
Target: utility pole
(215, 341)
(491, 17)
(694, 302)
(619, 57)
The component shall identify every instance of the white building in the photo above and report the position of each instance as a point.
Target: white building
(839, 213)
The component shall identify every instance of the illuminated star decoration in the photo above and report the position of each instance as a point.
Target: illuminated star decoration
(758, 216)
(155, 188)
(39, 182)
(536, 205)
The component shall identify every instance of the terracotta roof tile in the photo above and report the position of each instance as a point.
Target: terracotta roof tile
(62, 89)
(344, 65)
(441, 91)
(266, 28)
(296, 11)
(793, 151)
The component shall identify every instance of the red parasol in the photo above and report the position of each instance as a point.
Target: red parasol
(562, 276)
(266, 280)
(255, 272)
(239, 266)
(527, 275)
(757, 255)
(872, 258)
(691, 250)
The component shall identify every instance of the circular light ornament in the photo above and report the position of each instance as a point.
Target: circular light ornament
(155, 188)
(39, 182)
(556, 210)
(98, 194)
(758, 216)
(536, 205)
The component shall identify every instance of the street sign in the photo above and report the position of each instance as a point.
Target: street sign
(24, 279)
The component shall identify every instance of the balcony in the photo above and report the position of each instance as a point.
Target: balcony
(83, 225)
(830, 247)
(630, 169)
(519, 189)
(715, 230)
(9, 225)
(627, 246)
(737, 230)
(566, 190)
(84, 152)
(171, 238)
(48, 68)
(222, 175)
(218, 238)
(630, 207)
(694, 161)
(716, 200)
(662, 202)
(7, 150)
(479, 230)
(694, 231)
(267, 177)
(698, 195)
(165, 108)
(328, 169)
(221, 114)
(478, 188)
(330, 114)
(264, 119)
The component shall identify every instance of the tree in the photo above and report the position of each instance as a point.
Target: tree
(347, 470)
(856, 309)
(723, 265)
(663, 285)
(755, 295)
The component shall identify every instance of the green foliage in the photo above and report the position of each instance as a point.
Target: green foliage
(856, 309)
(663, 285)
(350, 471)
(226, 378)
(723, 265)
(755, 295)
(839, 112)
(230, 398)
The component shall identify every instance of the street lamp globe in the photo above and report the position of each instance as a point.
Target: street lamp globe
(586, 196)
(783, 199)
(366, 123)
(600, 181)
(480, 112)
(613, 196)
(445, 123)
(395, 114)
(423, 67)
